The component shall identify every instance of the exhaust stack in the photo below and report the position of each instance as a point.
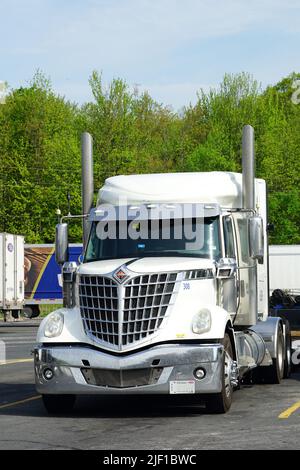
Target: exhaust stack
(87, 180)
(248, 165)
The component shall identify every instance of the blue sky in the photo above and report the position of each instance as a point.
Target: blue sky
(172, 48)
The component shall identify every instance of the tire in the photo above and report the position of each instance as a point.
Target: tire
(35, 311)
(221, 402)
(274, 373)
(59, 404)
(31, 311)
(27, 312)
(288, 352)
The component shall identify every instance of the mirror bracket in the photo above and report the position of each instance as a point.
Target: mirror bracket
(225, 268)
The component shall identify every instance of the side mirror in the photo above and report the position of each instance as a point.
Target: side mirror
(256, 238)
(226, 268)
(61, 244)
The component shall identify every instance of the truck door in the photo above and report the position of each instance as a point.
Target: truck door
(229, 287)
(247, 273)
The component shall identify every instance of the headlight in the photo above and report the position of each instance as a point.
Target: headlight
(54, 325)
(201, 321)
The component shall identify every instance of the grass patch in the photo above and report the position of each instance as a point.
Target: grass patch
(44, 310)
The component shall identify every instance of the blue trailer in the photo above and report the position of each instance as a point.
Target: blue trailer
(41, 276)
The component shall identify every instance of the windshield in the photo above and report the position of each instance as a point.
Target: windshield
(155, 243)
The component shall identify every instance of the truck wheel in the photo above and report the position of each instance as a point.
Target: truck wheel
(221, 402)
(27, 312)
(31, 311)
(288, 352)
(59, 404)
(274, 374)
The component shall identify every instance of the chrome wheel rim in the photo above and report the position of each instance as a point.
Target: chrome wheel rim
(280, 353)
(227, 374)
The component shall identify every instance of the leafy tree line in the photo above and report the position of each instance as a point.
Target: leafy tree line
(40, 146)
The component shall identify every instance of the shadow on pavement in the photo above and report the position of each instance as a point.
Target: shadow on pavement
(12, 392)
(139, 406)
(296, 373)
(99, 406)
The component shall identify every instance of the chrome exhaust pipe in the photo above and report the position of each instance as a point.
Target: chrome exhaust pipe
(87, 180)
(248, 165)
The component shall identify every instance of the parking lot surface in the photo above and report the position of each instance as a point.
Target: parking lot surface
(261, 417)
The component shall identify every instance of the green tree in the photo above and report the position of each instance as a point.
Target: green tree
(225, 111)
(40, 160)
(40, 145)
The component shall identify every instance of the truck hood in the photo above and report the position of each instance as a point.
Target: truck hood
(147, 264)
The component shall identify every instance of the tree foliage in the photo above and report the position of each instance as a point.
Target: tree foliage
(40, 145)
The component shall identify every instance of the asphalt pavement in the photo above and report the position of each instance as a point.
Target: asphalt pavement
(261, 417)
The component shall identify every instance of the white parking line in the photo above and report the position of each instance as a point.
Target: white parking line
(14, 361)
(13, 338)
(12, 343)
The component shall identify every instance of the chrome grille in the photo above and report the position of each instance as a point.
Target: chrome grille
(122, 378)
(145, 304)
(124, 314)
(99, 307)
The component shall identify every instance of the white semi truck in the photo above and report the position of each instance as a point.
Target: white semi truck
(146, 311)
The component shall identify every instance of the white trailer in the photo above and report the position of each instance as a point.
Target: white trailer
(285, 268)
(284, 263)
(148, 312)
(11, 273)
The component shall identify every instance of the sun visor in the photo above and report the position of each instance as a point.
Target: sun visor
(152, 211)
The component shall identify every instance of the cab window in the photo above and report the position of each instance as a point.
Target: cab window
(228, 238)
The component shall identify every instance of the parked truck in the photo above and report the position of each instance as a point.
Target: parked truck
(150, 312)
(11, 274)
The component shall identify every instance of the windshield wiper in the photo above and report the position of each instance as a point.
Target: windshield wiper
(149, 254)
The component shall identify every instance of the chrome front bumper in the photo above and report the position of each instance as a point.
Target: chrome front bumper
(176, 362)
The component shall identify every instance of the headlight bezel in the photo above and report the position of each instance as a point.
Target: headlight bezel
(202, 321)
(54, 325)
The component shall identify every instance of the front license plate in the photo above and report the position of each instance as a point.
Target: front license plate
(182, 386)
